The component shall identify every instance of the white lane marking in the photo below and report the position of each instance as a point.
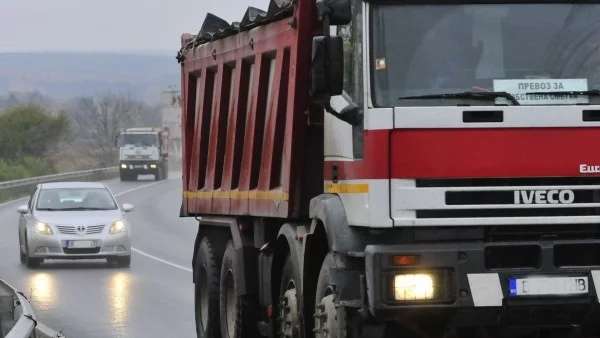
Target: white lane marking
(137, 188)
(161, 260)
(142, 252)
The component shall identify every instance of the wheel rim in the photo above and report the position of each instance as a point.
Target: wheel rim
(203, 297)
(288, 314)
(326, 321)
(231, 303)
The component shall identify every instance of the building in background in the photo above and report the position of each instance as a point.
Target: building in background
(171, 119)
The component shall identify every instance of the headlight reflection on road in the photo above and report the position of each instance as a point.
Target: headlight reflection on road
(43, 291)
(119, 297)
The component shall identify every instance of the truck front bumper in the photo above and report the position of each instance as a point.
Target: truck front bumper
(139, 167)
(470, 283)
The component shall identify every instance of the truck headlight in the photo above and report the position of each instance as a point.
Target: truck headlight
(153, 166)
(43, 228)
(413, 286)
(117, 227)
(124, 166)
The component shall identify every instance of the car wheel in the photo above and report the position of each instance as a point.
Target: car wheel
(22, 255)
(31, 262)
(123, 261)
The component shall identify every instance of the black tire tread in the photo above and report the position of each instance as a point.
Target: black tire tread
(123, 261)
(245, 322)
(206, 253)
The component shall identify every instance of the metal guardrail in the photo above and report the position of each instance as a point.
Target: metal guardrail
(17, 319)
(19, 188)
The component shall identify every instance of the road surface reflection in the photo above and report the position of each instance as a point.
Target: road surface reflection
(119, 298)
(43, 290)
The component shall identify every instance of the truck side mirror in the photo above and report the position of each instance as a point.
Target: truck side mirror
(327, 67)
(116, 140)
(339, 12)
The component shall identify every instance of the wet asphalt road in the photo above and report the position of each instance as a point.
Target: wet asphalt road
(152, 298)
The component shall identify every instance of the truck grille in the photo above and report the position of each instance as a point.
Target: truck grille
(72, 230)
(515, 197)
(137, 157)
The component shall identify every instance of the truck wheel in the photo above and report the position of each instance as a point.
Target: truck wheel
(206, 293)
(289, 317)
(158, 176)
(327, 319)
(235, 310)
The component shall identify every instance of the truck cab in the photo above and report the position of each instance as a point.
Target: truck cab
(143, 151)
(389, 166)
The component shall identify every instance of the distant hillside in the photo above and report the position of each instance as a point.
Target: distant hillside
(67, 75)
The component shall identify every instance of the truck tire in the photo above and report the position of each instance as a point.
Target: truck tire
(206, 292)
(326, 317)
(289, 324)
(236, 316)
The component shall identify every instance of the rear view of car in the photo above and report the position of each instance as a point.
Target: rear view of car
(74, 220)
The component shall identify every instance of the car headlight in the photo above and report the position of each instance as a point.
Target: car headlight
(117, 227)
(43, 228)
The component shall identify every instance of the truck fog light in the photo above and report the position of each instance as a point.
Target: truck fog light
(413, 286)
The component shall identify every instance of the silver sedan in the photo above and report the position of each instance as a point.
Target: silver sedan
(74, 220)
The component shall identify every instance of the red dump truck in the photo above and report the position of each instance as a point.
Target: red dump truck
(414, 169)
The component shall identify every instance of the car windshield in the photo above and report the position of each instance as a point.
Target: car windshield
(57, 199)
(139, 140)
(514, 48)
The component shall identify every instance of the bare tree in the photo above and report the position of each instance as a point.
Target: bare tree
(97, 121)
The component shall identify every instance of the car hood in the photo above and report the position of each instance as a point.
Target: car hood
(88, 217)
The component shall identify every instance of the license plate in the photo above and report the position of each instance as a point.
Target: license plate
(81, 244)
(548, 286)
(138, 166)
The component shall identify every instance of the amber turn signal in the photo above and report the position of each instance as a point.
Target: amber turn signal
(404, 260)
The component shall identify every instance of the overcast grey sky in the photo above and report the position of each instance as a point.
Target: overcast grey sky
(108, 25)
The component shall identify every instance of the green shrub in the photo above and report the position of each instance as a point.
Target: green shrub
(27, 167)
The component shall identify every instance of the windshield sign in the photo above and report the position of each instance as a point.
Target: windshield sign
(440, 49)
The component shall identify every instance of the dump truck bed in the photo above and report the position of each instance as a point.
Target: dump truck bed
(248, 147)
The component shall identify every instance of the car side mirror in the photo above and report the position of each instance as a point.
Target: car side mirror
(127, 207)
(24, 209)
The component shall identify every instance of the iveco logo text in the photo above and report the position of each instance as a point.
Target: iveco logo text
(589, 169)
(544, 196)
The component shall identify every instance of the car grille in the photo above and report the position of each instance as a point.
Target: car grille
(72, 230)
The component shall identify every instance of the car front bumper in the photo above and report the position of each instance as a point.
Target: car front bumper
(471, 282)
(54, 246)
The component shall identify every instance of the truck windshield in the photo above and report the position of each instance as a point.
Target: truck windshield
(514, 48)
(139, 140)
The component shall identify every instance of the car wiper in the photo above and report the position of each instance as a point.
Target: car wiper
(80, 208)
(466, 95)
(48, 209)
(593, 92)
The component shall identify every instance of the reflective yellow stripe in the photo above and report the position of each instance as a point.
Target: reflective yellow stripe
(347, 188)
(238, 195)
